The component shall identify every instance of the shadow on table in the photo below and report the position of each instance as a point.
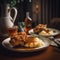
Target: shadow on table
(6, 52)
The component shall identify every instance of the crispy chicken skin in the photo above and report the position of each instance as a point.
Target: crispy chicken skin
(18, 38)
(39, 28)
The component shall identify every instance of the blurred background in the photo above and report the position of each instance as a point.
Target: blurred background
(41, 11)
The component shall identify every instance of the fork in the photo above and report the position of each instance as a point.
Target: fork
(56, 42)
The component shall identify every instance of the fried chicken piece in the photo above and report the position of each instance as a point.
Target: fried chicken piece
(39, 28)
(24, 35)
(15, 41)
(18, 39)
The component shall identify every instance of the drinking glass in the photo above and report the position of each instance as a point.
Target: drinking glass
(12, 31)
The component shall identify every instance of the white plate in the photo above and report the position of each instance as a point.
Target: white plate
(55, 32)
(7, 45)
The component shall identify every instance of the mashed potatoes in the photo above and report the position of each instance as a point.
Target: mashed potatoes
(34, 42)
(45, 33)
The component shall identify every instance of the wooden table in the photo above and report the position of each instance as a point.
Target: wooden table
(50, 53)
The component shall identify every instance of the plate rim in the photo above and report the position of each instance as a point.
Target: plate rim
(57, 32)
(31, 50)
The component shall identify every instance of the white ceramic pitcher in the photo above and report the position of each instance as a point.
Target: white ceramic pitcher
(6, 20)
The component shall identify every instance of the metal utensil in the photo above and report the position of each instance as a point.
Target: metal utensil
(56, 41)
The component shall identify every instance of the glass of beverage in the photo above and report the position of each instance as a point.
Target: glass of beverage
(12, 31)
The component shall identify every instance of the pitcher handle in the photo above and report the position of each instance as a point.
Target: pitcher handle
(15, 14)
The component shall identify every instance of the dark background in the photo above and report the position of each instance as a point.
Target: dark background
(48, 10)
